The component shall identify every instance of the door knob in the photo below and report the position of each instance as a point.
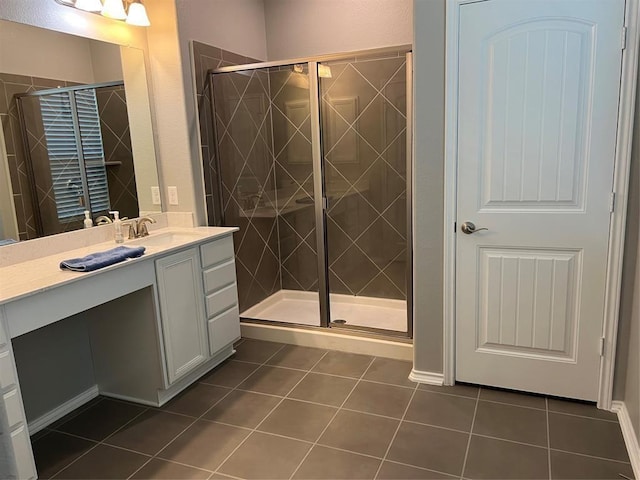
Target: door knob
(469, 228)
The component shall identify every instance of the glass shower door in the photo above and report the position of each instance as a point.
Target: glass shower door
(364, 141)
(264, 155)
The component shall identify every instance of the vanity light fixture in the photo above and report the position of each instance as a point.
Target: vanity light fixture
(89, 5)
(138, 15)
(113, 9)
(131, 11)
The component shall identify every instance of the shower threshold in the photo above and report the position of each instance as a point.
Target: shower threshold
(302, 308)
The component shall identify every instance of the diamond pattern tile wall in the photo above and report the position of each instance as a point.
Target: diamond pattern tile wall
(364, 120)
(263, 128)
(116, 141)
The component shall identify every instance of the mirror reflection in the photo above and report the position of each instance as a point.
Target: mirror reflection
(67, 144)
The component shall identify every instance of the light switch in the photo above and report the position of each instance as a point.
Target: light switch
(173, 195)
(155, 195)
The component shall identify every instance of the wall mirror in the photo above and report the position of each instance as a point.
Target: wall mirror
(76, 132)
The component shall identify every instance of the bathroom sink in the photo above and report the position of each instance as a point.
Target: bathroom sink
(166, 239)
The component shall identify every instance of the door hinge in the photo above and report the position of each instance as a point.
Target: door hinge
(612, 202)
(325, 203)
(601, 346)
(624, 38)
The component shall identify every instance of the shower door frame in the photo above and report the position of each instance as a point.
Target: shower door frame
(320, 198)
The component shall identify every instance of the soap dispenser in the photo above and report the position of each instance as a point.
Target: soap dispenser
(117, 226)
(88, 223)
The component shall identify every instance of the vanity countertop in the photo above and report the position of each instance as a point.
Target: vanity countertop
(34, 276)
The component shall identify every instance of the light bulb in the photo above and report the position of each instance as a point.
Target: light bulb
(114, 9)
(138, 15)
(89, 5)
(324, 71)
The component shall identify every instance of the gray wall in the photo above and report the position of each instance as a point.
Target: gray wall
(296, 28)
(428, 206)
(627, 371)
(54, 364)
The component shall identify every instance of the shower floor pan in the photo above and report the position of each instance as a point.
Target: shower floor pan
(302, 308)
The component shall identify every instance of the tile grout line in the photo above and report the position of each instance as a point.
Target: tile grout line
(550, 410)
(583, 416)
(395, 434)
(312, 443)
(255, 429)
(98, 443)
(334, 375)
(332, 418)
(546, 402)
(590, 456)
(195, 420)
(473, 421)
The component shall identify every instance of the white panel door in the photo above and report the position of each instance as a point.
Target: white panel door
(538, 102)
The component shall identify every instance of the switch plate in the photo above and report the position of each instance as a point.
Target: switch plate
(173, 195)
(155, 195)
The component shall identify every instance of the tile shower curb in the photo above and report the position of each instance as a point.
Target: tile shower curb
(328, 340)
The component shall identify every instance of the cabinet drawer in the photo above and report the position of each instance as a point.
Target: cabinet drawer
(217, 251)
(7, 375)
(12, 406)
(222, 300)
(23, 455)
(224, 329)
(219, 276)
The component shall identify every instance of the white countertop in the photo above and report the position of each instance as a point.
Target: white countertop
(33, 276)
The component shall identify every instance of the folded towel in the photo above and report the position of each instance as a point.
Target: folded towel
(101, 259)
(7, 241)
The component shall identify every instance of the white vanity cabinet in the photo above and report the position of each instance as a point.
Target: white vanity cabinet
(182, 312)
(155, 325)
(198, 299)
(221, 293)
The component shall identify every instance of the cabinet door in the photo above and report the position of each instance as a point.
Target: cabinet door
(182, 311)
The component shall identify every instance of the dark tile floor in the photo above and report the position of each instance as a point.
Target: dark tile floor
(280, 411)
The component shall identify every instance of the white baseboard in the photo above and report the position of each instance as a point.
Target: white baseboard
(629, 435)
(60, 411)
(328, 340)
(429, 378)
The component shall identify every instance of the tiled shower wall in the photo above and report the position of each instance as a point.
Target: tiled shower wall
(364, 125)
(293, 159)
(267, 180)
(245, 147)
(118, 154)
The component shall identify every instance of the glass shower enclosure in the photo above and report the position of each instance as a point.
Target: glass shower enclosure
(313, 165)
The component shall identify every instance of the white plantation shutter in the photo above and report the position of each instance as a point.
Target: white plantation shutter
(63, 152)
(92, 150)
(63, 147)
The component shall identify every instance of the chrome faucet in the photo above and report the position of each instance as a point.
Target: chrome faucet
(138, 229)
